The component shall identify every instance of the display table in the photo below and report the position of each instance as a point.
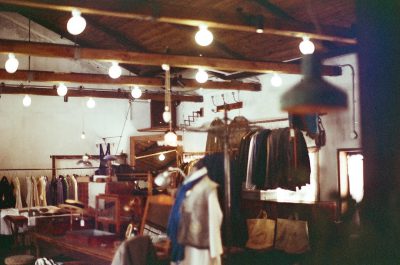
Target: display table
(47, 245)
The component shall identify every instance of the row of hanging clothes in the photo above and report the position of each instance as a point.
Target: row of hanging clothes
(266, 158)
(260, 158)
(38, 191)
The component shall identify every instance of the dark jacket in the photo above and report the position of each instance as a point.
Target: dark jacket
(7, 198)
(288, 163)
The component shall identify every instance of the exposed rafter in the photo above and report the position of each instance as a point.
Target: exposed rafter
(81, 78)
(30, 14)
(275, 10)
(169, 13)
(78, 92)
(136, 58)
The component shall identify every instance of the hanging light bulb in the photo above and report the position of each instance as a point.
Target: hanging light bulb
(62, 90)
(83, 135)
(276, 80)
(171, 139)
(260, 24)
(11, 64)
(203, 37)
(306, 46)
(26, 101)
(76, 24)
(114, 71)
(166, 114)
(136, 92)
(90, 103)
(201, 76)
(161, 157)
(165, 67)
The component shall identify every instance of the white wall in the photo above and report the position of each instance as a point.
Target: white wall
(49, 126)
(265, 105)
(52, 127)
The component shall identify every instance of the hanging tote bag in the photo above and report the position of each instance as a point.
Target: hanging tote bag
(261, 232)
(292, 236)
(320, 139)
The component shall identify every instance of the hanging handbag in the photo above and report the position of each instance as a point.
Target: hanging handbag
(292, 236)
(261, 232)
(320, 139)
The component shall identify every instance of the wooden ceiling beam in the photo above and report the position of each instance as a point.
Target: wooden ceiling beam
(77, 92)
(275, 10)
(155, 11)
(137, 58)
(84, 78)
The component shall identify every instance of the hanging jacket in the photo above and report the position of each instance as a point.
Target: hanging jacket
(288, 164)
(215, 141)
(259, 158)
(7, 199)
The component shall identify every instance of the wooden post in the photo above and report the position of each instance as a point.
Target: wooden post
(379, 67)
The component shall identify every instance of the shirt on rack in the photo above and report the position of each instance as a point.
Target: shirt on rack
(29, 192)
(35, 191)
(17, 193)
(42, 191)
(60, 191)
(243, 157)
(249, 174)
(74, 188)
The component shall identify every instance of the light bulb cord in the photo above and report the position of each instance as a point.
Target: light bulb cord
(313, 17)
(123, 128)
(29, 40)
(168, 94)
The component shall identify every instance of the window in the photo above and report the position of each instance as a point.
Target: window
(351, 175)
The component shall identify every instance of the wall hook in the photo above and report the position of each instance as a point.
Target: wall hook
(212, 99)
(234, 99)
(223, 98)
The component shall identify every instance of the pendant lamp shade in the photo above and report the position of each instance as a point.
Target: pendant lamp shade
(313, 94)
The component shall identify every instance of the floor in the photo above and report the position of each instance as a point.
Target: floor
(242, 258)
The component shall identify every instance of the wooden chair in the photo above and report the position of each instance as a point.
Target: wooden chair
(155, 221)
(15, 222)
(109, 211)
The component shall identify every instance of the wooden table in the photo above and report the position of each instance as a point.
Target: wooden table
(47, 244)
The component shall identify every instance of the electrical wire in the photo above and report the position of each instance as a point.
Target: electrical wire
(123, 127)
(353, 116)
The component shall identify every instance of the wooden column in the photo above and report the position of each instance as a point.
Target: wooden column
(379, 53)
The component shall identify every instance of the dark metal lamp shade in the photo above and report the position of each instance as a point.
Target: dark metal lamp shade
(313, 94)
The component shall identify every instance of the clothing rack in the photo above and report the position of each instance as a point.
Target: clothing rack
(155, 154)
(268, 120)
(54, 158)
(205, 152)
(44, 169)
